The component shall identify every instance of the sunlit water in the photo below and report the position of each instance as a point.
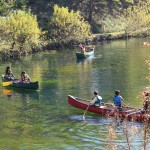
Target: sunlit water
(43, 120)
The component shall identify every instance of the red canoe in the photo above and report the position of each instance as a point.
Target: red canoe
(131, 113)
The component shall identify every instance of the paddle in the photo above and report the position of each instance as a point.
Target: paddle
(85, 53)
(6, 83)
(86, 111)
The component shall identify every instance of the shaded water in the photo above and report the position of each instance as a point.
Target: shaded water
(42, 120)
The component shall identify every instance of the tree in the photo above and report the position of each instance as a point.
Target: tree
(96, 11)
(20, 30)
(6, 6)
(68, 26)
(21, 4)
(136, 18)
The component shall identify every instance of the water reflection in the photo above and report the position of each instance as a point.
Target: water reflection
(85, 60)
(44, 120)
(92, 120)
(7, 92)
(23, 93)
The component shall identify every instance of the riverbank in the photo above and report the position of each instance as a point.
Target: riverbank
(107, 36)
(93, 39)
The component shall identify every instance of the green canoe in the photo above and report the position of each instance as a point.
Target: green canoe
(16, 84)
(80, 55)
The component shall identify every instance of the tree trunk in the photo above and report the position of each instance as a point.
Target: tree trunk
(110, 6)
(13, 45)
(90, 10)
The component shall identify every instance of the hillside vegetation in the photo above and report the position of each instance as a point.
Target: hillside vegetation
(31, 25)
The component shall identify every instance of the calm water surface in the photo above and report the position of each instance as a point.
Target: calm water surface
(43, 120)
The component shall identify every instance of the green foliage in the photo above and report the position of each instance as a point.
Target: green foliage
(133, 21)
(18, 33)
(6, 6)
(137, 18)
(111, 24)
(20, 30)
(68, 25)
(21, 4)
(130, 1)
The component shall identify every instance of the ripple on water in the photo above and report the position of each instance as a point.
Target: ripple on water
(94, 131)
(91, 120)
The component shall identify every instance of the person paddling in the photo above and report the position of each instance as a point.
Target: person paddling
(9, 76)
(118, 100)
(82, 48)
(97, 99)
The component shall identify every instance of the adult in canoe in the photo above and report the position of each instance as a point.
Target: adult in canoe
(82, 48)
(9, 76)
(24, 77)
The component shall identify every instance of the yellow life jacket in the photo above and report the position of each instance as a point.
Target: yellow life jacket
(25, 78)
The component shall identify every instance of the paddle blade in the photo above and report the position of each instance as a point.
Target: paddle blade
(6, 83)
(84, 117)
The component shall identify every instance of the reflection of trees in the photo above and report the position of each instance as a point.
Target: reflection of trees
(7, 92)
(119, 68)
(19, 113)
(75, 76)
(19, 117)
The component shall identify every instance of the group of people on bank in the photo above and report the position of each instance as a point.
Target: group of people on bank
(118, 100)
(9, 76)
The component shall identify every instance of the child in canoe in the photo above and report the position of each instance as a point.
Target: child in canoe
(118, 100)
(97, 99)
(24, 77)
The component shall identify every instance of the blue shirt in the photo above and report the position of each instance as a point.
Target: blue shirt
(118, 100)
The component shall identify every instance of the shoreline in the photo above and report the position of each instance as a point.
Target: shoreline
(93, 39)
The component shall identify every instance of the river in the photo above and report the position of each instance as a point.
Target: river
(43, 119)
